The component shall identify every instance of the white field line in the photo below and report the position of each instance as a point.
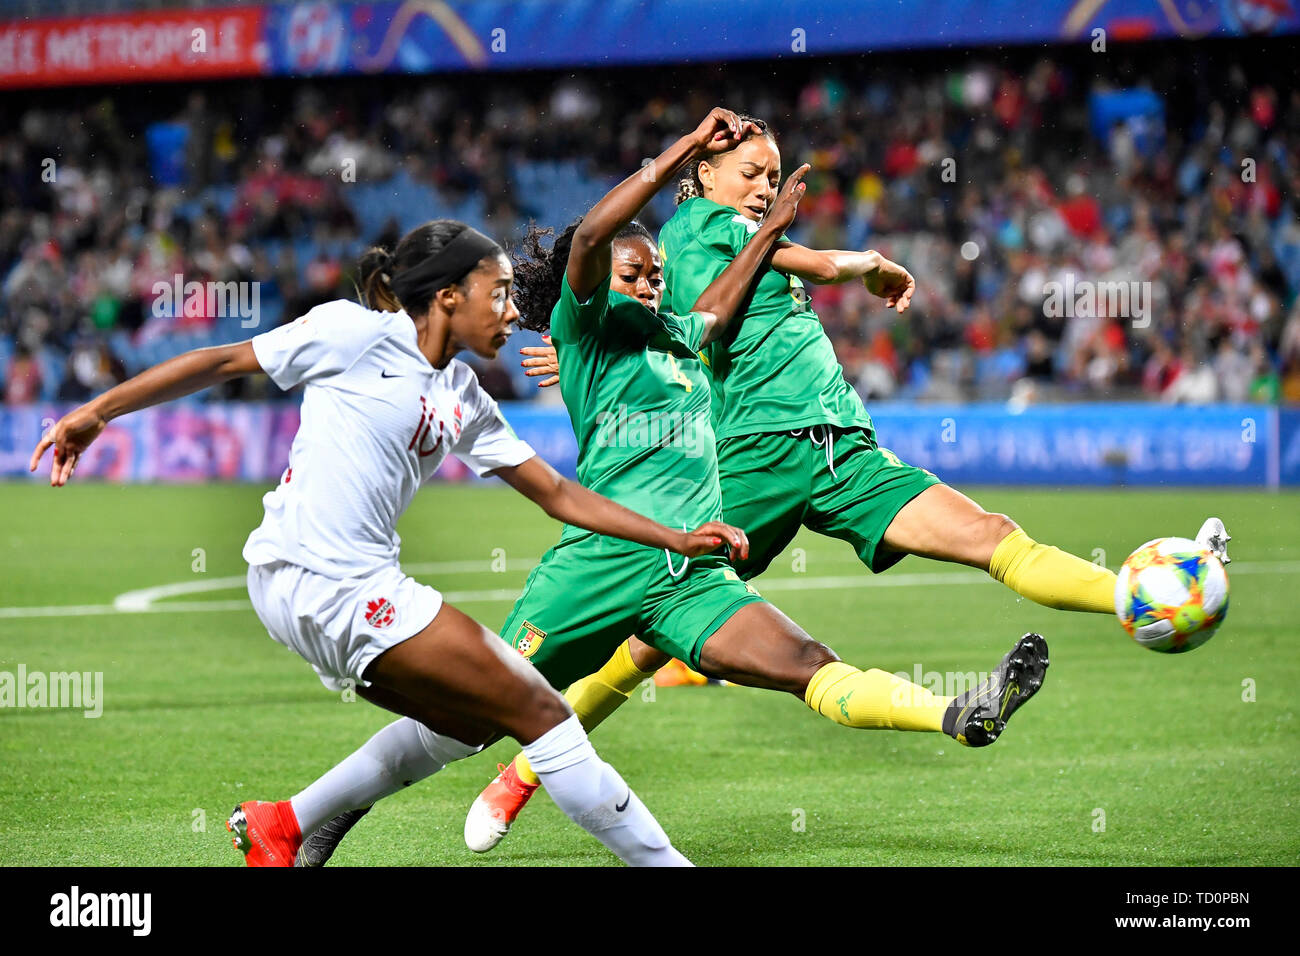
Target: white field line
(144, 601)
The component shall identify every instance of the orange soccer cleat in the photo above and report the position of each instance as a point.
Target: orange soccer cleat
(266, 833)
(677, 674)
(495, 809)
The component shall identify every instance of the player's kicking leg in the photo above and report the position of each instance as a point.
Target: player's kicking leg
(761, 647)
(481, 689)
(593, 699)
(1214, 535)
(944, 524)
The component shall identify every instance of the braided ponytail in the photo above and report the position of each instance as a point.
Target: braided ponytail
(688, 187)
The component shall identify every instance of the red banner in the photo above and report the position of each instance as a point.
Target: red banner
(173, 45)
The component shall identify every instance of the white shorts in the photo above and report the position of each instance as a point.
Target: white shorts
(340, 626)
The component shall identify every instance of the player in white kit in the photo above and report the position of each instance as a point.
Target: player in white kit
(384, 403)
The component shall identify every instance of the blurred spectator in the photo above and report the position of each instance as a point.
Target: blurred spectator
(22, 378)
(988, 182)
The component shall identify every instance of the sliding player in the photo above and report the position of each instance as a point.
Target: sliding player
(384, 404)
(796, 447)
(638, 397)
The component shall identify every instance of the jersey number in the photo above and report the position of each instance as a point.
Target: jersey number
(678, 376)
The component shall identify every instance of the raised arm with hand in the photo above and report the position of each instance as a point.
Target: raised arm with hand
(183, 375)
(883, 278)
(589, 256)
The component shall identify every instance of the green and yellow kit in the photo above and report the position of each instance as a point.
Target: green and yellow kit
(638, 398)
(796, 446)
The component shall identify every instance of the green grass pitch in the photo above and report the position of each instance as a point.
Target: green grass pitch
(1126, 757)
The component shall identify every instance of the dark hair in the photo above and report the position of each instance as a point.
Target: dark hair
(539, 271)
(380, 270)
(690, 186)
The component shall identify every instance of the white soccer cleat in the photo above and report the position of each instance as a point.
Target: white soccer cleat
(1214, 535)
(484, 829)
(495, 809)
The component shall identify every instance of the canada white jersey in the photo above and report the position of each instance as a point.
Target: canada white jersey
(377, 420)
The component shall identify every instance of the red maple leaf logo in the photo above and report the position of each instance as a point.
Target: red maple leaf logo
(380, 613)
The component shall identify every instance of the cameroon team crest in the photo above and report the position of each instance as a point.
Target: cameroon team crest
(731, 575)
(528, 639)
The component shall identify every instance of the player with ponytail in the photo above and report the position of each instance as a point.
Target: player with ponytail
(627, 365)
(384, 402)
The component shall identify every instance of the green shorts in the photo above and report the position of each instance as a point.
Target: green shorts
(590, 594)
(775, 482)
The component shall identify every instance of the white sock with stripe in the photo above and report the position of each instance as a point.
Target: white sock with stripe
(595, 797)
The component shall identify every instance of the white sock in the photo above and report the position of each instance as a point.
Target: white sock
(402, 753)
(595, 797)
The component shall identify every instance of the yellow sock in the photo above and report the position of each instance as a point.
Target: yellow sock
(596, 697)
(874, 699)
(1052, 577)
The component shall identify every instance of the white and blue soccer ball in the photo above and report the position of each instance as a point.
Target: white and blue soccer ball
(1171, 595)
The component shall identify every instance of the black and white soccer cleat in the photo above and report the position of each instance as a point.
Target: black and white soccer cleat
(978, 717)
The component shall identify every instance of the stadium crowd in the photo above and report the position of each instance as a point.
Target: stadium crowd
(993, 184)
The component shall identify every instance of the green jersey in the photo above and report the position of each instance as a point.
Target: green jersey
(775, 369)
(638, 397)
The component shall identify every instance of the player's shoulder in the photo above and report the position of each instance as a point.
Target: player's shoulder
(344, 318)
(699, 216)
(620, 304)
(690, 215)
(336, 310)
(463, 380)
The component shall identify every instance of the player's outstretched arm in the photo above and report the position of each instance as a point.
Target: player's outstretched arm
(590, 256)
(573, 504)
(721, 300)
(882, 277)
(183, 375)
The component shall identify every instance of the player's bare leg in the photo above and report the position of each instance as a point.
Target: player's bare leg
(473, 675)
(944, 524)
(761, 647)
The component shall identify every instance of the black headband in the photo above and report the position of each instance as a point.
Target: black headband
(448, 265)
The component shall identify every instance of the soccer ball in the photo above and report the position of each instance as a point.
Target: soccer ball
(1171, 595)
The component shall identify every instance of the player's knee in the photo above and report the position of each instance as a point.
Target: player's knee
(551, 707)
(810, 657)
(645, 657)
(994, 527)
(539, 710)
